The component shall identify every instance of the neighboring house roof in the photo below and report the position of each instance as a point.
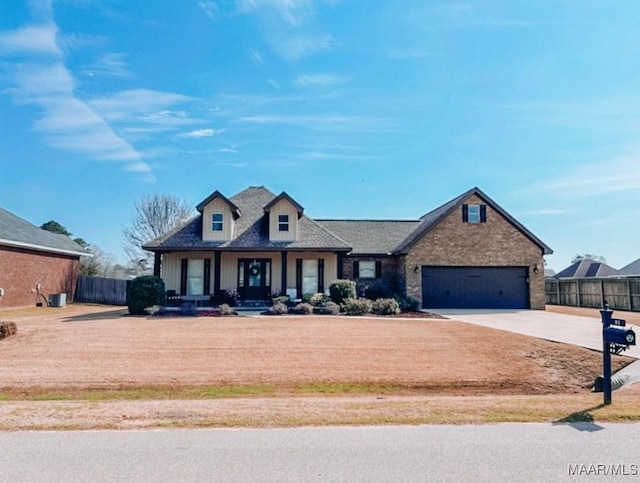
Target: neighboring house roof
(430, 220)
(587, 268)
(633, 269)
(250, 230)
(368, 237)
(19, 233)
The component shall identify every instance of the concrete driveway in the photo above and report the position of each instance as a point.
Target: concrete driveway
(568, 329)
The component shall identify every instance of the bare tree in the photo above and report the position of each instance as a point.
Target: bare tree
(588, 256)
(155, 216)
(99, 265)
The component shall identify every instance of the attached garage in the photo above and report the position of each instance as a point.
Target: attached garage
(475, 287)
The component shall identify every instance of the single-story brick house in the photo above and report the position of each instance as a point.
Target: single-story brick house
(468, 252)
(35, 263)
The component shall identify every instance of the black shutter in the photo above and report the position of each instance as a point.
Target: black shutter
(378, 269)
(206, 289)
(321, 275)
(299, 278)
(483, 213)
(183, 276)
(465, 213)
(216, 274)
(356, 269)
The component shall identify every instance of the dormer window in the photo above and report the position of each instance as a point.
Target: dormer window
(216, 221)
(283, 222)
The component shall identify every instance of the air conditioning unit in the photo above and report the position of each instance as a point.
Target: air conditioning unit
(57, 300)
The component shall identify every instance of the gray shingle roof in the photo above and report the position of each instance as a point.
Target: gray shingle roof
(587, 268)
(16, 232)
(250, 230)
(633, 269)
(368, 237)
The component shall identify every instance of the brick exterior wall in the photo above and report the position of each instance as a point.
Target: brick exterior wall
(391, 274)
(494, 243)
(21, 270)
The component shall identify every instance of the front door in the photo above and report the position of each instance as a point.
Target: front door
(254, 278)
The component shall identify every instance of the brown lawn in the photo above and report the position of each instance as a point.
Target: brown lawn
(398, 364)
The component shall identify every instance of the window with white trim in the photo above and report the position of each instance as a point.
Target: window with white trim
(473, 215)
(367, 269)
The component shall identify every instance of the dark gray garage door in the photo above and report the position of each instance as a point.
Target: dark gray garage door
(475, 287)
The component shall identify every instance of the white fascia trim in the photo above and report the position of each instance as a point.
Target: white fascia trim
(40, 248)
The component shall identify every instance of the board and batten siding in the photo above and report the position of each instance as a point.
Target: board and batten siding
(283, 207)
(171, 267)
(217, 206)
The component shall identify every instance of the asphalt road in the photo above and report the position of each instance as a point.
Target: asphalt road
(505, 452)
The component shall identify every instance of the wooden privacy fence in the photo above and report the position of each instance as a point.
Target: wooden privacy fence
(100, 290)
(620, 293)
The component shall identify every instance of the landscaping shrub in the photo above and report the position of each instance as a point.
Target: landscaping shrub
(302, 309)
(386, 307)
(329, 308)
(318, 300)
(352, 306)
(280, 299)
(145, 291)
(341, 290)
(376, 290)
(407, 304)
(226, 309)
(277, 309)
(7, 328)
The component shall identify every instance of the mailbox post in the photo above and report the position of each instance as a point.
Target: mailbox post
(606, 356)
(615, 339)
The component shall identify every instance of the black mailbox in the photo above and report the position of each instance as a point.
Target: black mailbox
(614, 335)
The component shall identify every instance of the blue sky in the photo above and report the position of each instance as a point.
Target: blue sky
(357, 109)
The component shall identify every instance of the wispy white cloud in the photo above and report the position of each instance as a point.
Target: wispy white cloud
(210, 8)
(109, 65)
(146, 104)
(321, 80)
(323, 122)
(617, 175)
(201, 133)
(290, 26)
(41, 79)
(34, 39)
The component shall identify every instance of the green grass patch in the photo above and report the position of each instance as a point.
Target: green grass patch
(346, 388)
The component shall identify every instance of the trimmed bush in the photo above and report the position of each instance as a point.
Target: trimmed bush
(280, 299)
(330, 308)
(407, 304)
(144, 292)
(278, 309)
(376, 290)
(302, 309)
(318, 299)
(386, 307)
(226, 309)
(7, 328)
(353, 306)
(341, 290)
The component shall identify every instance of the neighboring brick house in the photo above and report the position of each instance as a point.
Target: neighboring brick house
(468, 252)
(35, 263)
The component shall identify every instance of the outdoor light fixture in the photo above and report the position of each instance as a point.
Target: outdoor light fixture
(535, 268)
(416, 269)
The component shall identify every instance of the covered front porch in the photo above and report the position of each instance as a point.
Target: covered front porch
(210, 278)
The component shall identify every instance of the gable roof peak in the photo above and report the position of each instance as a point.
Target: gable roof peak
(284, 196)
(216, 194)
